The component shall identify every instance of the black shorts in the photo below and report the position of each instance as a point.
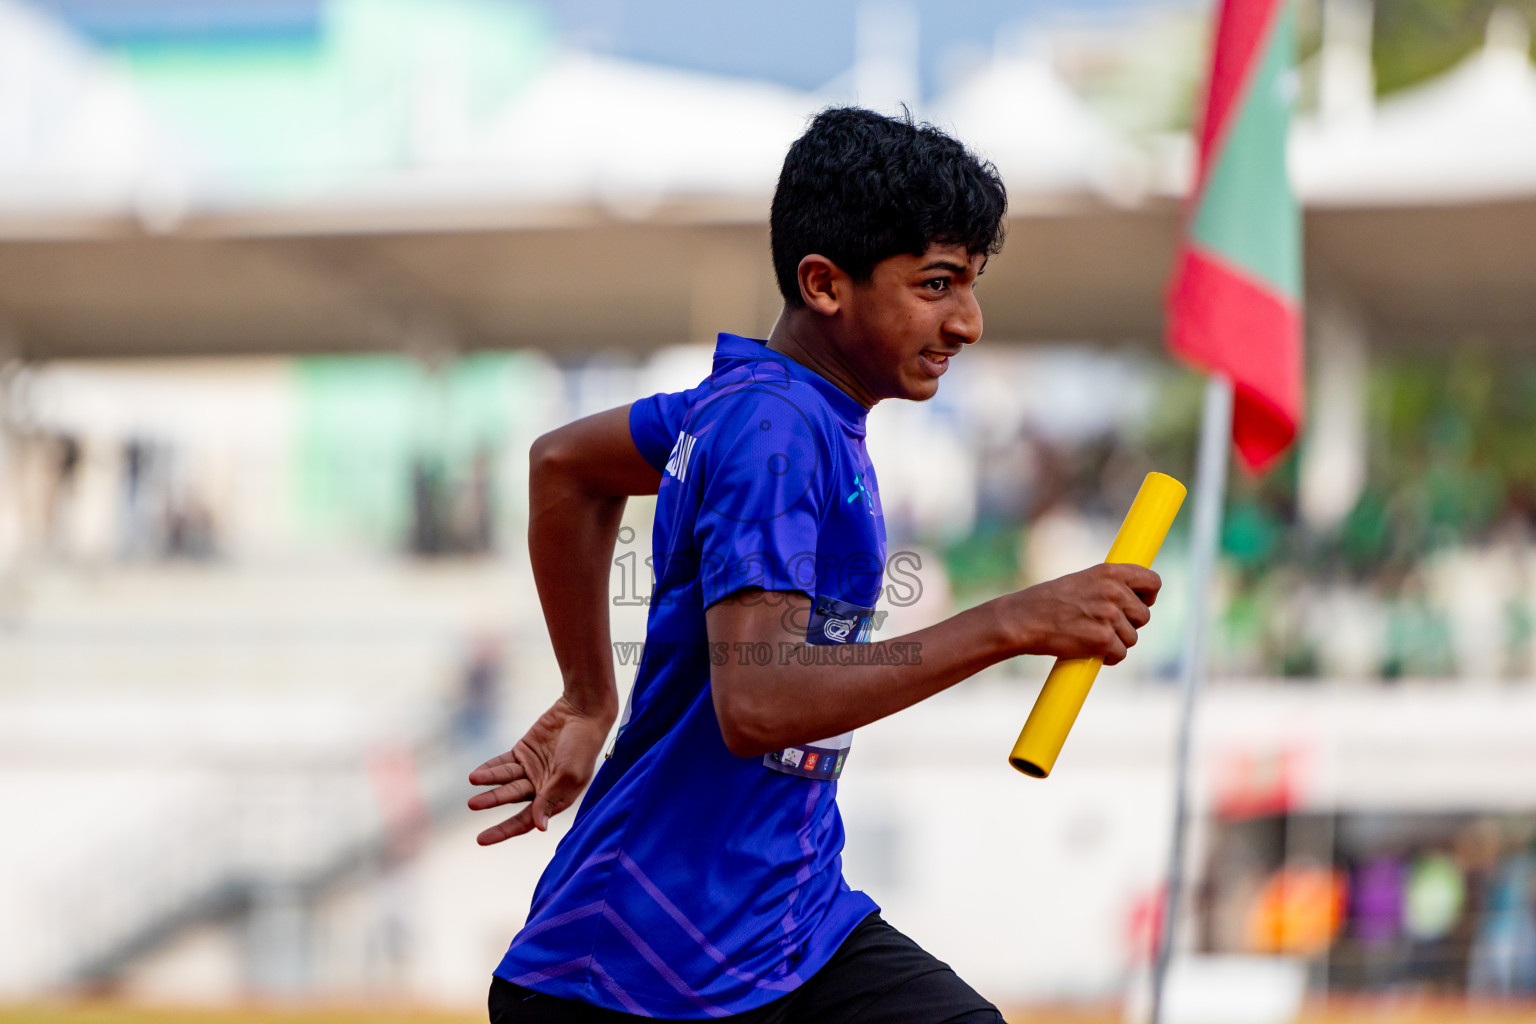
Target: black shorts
(877, 976)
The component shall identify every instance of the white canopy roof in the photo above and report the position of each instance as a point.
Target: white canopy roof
(74, 134)
(79, 137)
(597, 130)
(607, 204)
(1043, 138)
(1468, 134)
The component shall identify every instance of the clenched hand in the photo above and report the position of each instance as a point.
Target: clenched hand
(1090, 614)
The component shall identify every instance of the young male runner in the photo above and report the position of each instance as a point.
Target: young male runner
(702, 875)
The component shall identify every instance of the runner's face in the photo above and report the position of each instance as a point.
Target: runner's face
(911, 317)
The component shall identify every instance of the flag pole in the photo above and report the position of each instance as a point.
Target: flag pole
(1210, 492)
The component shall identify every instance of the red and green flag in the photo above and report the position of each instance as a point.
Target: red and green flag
(1235, 302)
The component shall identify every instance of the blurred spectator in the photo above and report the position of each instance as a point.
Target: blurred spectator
(1504, 954)
(474, 722)
(1299, 910)
(1433, 903)
(448, 520)
(66, 449)
(1377, 900)
(429, 508)
(1434, 899)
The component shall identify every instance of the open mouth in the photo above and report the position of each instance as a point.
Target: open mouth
(934, 363)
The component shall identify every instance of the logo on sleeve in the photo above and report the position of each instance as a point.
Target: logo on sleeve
(810, 762)
(837, 630)
(682, 451)
(792, 756)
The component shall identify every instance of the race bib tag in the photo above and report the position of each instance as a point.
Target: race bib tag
(820, 760)
(832, 622)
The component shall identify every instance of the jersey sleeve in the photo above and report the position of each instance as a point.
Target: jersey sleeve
(654, 423)
(761, 471)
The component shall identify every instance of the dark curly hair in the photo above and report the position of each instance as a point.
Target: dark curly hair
(859, 187)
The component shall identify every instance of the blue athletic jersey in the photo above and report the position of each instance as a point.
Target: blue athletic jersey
(694, 883)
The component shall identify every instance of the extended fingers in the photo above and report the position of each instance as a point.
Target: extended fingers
(516, 825)
(498, 770)
(513, 792)
(555, 796)
(542, 808)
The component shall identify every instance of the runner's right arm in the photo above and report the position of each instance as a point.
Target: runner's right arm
(579, 477)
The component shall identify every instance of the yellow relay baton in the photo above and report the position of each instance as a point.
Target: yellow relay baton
(1140, 537)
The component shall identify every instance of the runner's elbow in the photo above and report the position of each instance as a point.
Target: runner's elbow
(743, 727)
(742, 745)
(549, 456)
(560, 472)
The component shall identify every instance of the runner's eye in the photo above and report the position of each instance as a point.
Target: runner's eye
(936, 284)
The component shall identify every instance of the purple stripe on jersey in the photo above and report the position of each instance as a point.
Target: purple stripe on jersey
(788, 983)
(595, 861)
(630, 1006)
(802, 876)
(527, 980)
(660, 966)
(628, 864)
(559, 919)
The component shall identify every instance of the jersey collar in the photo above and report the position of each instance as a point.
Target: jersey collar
(733, 349)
